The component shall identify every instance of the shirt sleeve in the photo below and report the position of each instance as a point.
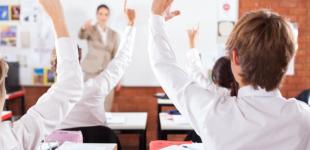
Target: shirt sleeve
(57, 102)
(109, 78)
(189, 98)
(195, 69)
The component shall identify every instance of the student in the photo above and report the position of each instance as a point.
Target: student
(260, 47)
(221, 74)
(56, 103)
(90, 110)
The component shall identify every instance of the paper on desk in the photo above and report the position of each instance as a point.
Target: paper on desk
(179, 119)
(116, 120)
(80, 146)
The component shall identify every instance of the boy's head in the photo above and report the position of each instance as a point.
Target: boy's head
(223, 76)
(54, 58)
(261, 47)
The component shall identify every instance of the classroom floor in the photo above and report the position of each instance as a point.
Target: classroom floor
(128, 100)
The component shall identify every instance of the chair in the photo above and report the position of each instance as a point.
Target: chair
(13, 88)
(98, 134)
(194, 137)
(304, 96)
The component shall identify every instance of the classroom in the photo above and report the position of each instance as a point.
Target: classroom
(154, 74)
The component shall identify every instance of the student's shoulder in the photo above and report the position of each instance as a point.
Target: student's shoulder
(303, 108)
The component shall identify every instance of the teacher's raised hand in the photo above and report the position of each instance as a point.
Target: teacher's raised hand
(162, 8)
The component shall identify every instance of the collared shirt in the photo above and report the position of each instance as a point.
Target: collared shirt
(103, 34)
(52, 107)
(256, 119)
(90, 110)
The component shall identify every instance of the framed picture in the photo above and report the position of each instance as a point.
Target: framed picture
(8, 36)
(4, 13)
(15, 12)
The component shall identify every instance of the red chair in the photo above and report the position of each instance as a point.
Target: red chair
(157, 145)
(18, 95)
(6, 115)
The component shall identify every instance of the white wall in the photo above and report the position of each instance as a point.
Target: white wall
(139, 73)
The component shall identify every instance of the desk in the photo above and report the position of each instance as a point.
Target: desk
(134, 123)
(168, 126)
(79, 146)
(160, 104)
(6, 115)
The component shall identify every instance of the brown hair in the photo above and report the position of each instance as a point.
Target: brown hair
(223, 76)
(264, 44)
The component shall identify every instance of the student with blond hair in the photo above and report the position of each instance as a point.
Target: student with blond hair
(260, 48)
(57, 102)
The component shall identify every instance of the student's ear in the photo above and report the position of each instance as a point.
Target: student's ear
(235, 57)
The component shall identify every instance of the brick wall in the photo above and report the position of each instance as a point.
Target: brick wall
(298, 11)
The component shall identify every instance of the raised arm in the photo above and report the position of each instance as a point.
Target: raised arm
(194, 62)
(85, 31)
(108, 79)
(190, 99)
(58, 101)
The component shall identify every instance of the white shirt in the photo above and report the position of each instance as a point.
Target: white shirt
(195, 68)
(103, 34)
(52, 107)
(255, 120)
(90, 110)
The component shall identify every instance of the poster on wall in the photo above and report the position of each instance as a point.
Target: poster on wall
(15, 12)
(8, 36)
(4, 13)
(227, 17)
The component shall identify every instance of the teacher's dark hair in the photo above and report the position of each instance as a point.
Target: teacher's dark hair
(103, 6)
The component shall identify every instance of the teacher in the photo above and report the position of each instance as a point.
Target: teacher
(103, 43)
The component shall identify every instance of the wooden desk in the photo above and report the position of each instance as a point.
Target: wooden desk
(134, 123)
(6, 115)
(169, 126)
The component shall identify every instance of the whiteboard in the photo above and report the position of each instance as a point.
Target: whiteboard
(139, 72)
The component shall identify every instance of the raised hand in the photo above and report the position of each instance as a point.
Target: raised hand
(88, 24)
(192, 34)
(162, 8)
(54, 9)
(130, 14)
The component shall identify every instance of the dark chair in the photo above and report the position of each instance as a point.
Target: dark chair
(194, 137)
(304, 96)
(98, 134)
(12, 83)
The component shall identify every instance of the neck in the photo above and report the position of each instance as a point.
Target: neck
(102, 26)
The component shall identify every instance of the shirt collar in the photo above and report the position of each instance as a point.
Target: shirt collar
(249, 90)
(102, 30)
